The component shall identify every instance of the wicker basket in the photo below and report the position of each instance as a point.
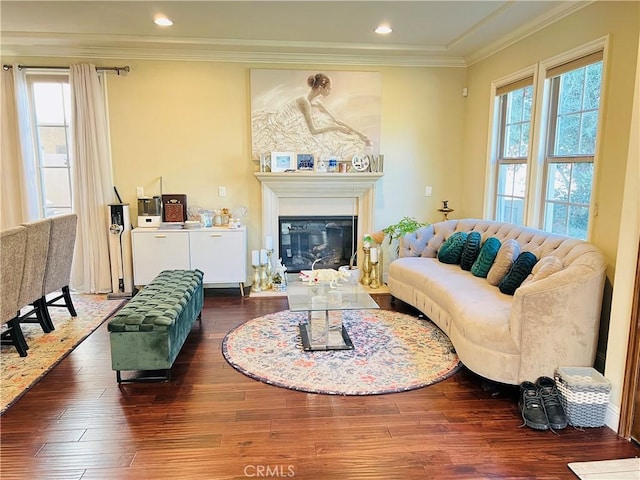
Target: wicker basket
(585, 394)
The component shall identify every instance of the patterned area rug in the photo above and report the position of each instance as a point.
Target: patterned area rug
(19, 374)
(393, 352)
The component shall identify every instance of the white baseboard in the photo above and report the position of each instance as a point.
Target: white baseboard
(612, 417)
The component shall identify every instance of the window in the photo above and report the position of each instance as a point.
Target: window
(544, 143)
(514, 104)
(571, 141)
(51, 107)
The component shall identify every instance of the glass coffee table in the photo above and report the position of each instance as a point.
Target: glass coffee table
(325, 305)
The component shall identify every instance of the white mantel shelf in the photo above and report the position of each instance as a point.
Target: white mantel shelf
(295, 184)
(309, 185)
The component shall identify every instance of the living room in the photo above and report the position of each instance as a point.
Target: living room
(185, 121)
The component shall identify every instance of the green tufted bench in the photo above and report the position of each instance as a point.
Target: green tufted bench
(148, 332)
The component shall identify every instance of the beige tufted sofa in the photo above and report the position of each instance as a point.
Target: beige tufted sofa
(547, 323)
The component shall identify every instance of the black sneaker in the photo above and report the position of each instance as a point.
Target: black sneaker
(531, 407)
(552, 403)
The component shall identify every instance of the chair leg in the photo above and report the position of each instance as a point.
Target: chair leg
(67, 300)
(17, 337)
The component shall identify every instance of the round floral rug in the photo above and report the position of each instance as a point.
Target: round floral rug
(393, 352)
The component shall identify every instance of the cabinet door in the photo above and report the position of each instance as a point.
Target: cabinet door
(220, 254)
(155, 251)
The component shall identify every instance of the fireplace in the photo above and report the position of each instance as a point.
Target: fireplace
(327, 241)
(312, 194)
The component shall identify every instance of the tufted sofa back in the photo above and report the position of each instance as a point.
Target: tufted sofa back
(426, 241)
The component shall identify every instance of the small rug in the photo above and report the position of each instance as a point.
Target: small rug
(393, 352)
(18, 374)
(622, 469)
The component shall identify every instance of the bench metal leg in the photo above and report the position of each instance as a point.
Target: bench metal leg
(155, 378)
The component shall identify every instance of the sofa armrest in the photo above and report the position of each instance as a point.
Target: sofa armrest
(556, 320)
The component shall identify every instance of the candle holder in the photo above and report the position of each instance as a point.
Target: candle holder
(255, 286)
(375, 283)
(269, 270)
(445, 210)
(365, 277)
(263, 276)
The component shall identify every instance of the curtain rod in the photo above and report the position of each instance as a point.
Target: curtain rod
(124, 69)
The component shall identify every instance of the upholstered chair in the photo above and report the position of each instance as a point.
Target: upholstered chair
(37, 249)
(59, 259)
(12, 253)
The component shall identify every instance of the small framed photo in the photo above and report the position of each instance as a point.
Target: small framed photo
(305, 162)
(282, 161)
(265, 162)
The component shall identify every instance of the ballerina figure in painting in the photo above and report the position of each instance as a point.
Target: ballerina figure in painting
(304, 124)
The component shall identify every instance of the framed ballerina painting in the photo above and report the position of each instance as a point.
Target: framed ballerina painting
(329, 114)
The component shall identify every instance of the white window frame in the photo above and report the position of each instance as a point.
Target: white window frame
(545, 85)
(536, 187)
(494, 144)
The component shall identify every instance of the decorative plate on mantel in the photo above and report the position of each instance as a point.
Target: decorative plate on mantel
(360, 163)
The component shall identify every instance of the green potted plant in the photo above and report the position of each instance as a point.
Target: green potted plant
(397, 230)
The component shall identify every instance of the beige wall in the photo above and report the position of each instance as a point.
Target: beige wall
(628, 245)
(189, 123)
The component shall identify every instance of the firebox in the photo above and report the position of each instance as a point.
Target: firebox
(327, 241)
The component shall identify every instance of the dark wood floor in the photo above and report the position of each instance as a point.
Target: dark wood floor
(212, 422)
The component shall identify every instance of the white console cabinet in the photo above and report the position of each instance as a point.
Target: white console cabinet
(221, 253)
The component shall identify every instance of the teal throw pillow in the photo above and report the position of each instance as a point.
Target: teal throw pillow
(471, 250)
(487, 255)
(519, 271)
(451, 250)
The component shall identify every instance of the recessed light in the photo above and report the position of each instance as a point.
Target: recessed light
(162, 21)
(383, 29)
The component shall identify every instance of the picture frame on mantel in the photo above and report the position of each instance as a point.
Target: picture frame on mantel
(282, 161)
(305, 162)
(265, 162)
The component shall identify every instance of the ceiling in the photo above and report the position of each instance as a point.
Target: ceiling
(425, 33)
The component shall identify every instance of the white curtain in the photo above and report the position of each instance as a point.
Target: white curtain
(18, 185)
(92, 181)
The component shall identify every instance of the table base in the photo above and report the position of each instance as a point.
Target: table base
(343, 342)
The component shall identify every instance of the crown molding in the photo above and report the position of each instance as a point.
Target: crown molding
(20, 44)
(539, 23)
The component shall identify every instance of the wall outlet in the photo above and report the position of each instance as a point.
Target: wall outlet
(140, 192)
(222, 191)
(427, 191)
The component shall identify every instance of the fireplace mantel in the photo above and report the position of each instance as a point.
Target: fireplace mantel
(360, 187)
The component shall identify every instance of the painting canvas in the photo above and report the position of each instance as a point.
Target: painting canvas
(329, 114)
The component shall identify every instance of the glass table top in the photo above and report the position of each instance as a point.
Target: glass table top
(347, 295)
